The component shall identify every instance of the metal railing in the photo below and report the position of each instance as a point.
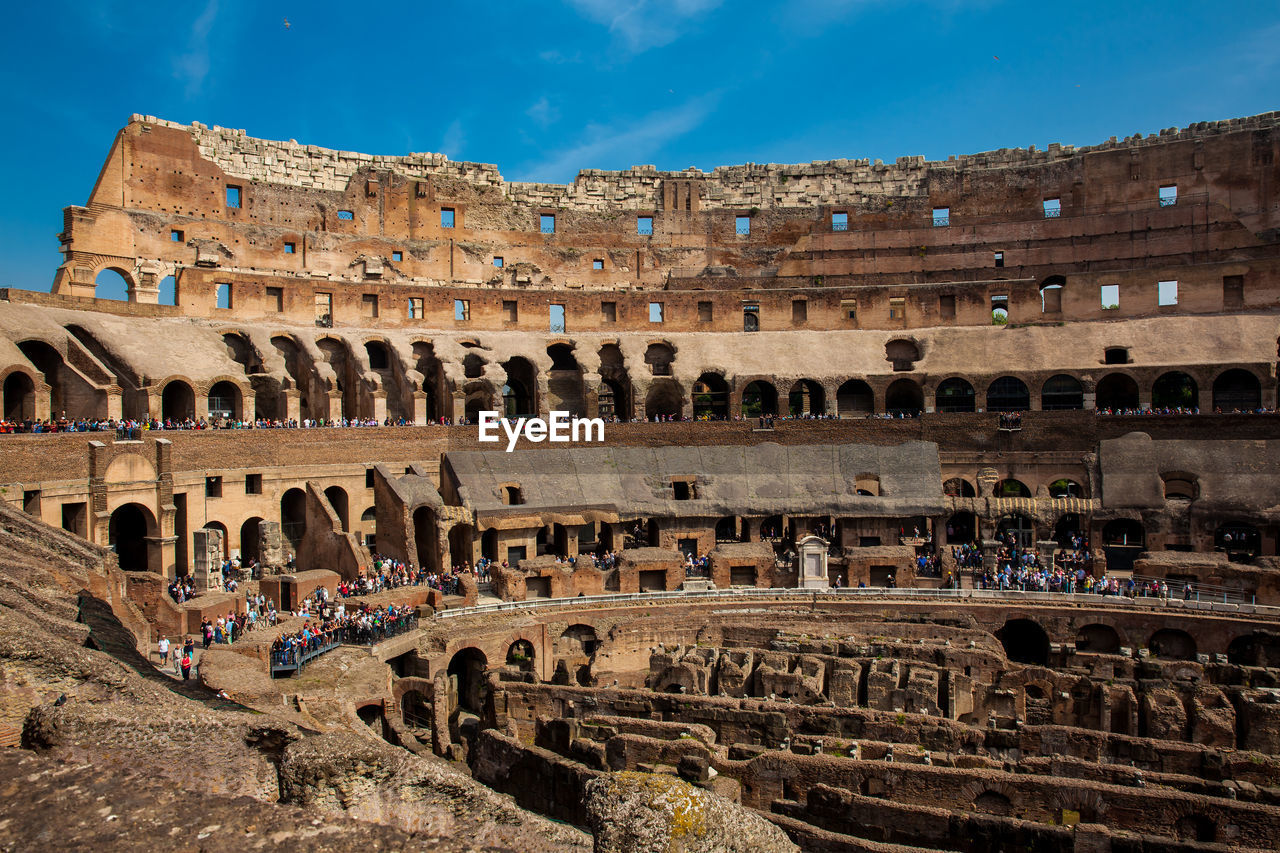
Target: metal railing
(289, 660)
(869, 593)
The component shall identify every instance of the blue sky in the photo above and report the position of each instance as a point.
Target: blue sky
(545, 88)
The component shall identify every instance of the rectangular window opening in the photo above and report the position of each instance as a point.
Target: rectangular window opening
(176, 236)
(1110, 297)
(1052, 208)
(290, 248)
(849, 308)
(947, 306)
(1167, 293)
(213, 487)
(999, 310)
(416, 306)
(839, 222)
(898, 308)
(799, 311)
(999, 259)
(941, 216)
(597, 264)
(346, 215)
(368, 478)
(461, 310)
(644, 225)
(557, 318)
(1233, 291)
(253, 484)
(609, 312)
(324, 310)
(750, 318)
(275, 299)
(742, 226)
(510, 311)
(369, 306)
(655, 312)
(1169, 196)
(704, 312)
(497, 262)
(233, 196)
(547, 223)
(397, 256)
(446, 217)
(224, 296)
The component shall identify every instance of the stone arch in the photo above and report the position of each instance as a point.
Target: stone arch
(1175, 390)
(1065, 487)
(1061, 392)
(522, 654)
(19, 396)
(416, 709)
(955, 395)
(1008, 394)
(338, 499)
(855, 399)
(489, 544)
(1099, 638)
(468, 666)
(1236, 390)
(565, 389)
(1172, 644)
(614, 399)
(426, 539)
(225, 400)
(1117, 391)
(660, 355)
(293, 517)
(807, 397)
(665, 399)
(904, 397)
(959, 487)
(460, 544)
(226, 538)
(249, 539)
(177, 401)
(1024, 641)
(1051, 294)
(759, 399)
(710, 395)
(902, 353)
(49, 361)
(1010, 487)
(128, 530)
(114, 283)
(727, 529)
(520, 391)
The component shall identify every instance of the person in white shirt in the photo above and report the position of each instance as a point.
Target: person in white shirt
(163, 648)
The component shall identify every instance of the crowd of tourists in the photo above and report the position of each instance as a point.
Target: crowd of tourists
(334, 625)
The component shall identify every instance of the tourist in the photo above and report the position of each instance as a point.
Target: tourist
(162, 647)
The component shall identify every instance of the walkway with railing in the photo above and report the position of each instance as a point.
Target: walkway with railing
(850, 594)
(287, 661)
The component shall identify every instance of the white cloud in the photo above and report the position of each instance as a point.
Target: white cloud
(644, 24)
(611, 146)
(543, 113)
(193, 65)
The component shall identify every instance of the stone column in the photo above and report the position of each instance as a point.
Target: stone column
(420, 413)
(208, 559)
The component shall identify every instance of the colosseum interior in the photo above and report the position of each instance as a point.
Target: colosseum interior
(771, 609)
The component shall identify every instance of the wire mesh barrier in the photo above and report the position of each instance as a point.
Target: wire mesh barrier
(297, 652)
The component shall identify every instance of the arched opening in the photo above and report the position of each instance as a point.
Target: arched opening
(242, 352)
(904, 397)
(1008, 394)
(959, 487)
(426, 539)
(1066, 530)
(489, 544)
(177, 401)
(337, 497)
(19, 397)
(1180, 485)
(112, 284)
(467, 671)
(901, 353)
(472, 366)
(854, 399)
(711, 398)
(1175, 390)
(415, 710)
(127, 533)
(477, 401)
(956, 395)
(961, 528)
(1024, 641)
(1236, 390)
(1051, 294)
(250, 546)
(727, 529)
(564, 382)
(1240, 540)
(1172, 644)
(426, 363)
(379, 359)
(168, 291)
(614, 400)
(460, 545)
(772, 528)
(520, 654)
(224, 400)
(1122, 541)
(806, 397)
(1017, 525)
(759, 399)
(369, 527)
(992, 802)
(1064, 488)
(346, 382)
(1097, 638)
(1117, 391)
(1258, 649)
(518, 392)
(659, 357)
(225, 539)
(867, 485)
(664, 400)
(293, 517)
(1010, 488)
(1061, 393)
(49, 362)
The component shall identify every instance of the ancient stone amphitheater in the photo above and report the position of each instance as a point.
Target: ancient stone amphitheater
(818, 381)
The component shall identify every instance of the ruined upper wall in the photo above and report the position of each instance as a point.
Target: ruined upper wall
(764, 185)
